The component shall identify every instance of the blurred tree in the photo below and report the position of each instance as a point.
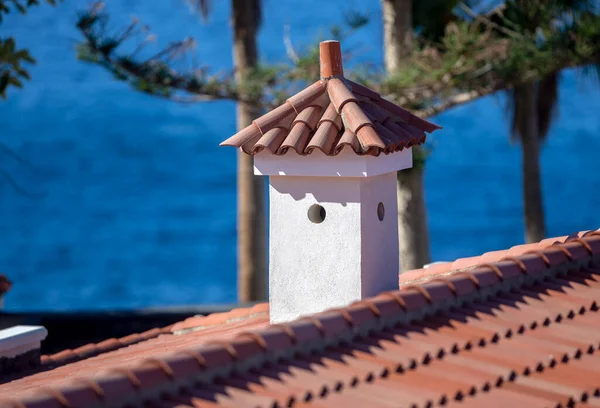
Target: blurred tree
(533, 105)
(246, 85)
(12, 72)
(399, 19)
(155, 76)
(515, 30)
(251, 220)
(430, 71)
(413, 232)
(557, 30)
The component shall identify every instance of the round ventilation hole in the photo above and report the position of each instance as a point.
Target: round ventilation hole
(316, 213)
(380, 211)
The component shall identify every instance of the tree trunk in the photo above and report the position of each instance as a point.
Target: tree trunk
(412, 214)
(397, 32)
(252, 268)
(412, 219)
(535, 229)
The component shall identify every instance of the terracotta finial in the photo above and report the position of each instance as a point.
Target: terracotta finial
(331, 59)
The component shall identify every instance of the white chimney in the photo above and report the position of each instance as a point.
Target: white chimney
(331, 153)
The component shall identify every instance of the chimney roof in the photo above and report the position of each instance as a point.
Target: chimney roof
(331, 115)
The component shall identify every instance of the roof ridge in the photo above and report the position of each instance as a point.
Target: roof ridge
(468, 263)
(201, 322)
(252, 349)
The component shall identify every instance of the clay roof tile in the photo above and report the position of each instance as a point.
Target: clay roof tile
(518, 330)
(350, 107)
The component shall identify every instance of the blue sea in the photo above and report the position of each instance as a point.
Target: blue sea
(128, 201)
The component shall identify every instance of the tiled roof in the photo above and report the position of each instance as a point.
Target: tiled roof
(93, 349)
(331, 114)
(73, 366)
(194, 323)
(521, 330)
(444, 268)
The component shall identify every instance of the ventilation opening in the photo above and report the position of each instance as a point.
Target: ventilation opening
(316, 213)
(380, 211)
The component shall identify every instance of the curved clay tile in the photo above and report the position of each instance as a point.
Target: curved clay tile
(368, 137)
(332, 113)
(304, 98)
(301, 129)
(348, 139)
(271, 140)
(325, 138)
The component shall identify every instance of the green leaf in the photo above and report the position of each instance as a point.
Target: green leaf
(15, 82)
(356, 20)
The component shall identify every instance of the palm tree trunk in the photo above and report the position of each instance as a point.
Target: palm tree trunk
(412, 219)
(397, 32)
(535, 228)
(412, 215)
(252, 268)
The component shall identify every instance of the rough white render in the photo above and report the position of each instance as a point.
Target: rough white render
(349, 256)
(345, 164)
(380, 250)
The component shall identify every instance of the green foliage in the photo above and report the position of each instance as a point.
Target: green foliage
(6, 6)
(486, 53)
(474, 55)
(170, 74)
(431, 17)
(12, 59)
(555, 31)
(356, 20)
(11, 69)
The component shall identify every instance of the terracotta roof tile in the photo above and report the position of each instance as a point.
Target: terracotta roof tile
(90, 350)
(524, 329)
(331, 114)
(446, 268)
(217, 319)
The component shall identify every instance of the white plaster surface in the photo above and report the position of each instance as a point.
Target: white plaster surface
(20, 339)
(349, 256)
(380, 260)
(345, 164)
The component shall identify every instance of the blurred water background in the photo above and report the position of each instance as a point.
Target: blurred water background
(130, 203)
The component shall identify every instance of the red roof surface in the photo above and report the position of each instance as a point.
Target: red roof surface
(518, 329)
(331, 114)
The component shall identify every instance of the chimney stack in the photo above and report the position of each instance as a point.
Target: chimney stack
(331, 153)
(331, 59)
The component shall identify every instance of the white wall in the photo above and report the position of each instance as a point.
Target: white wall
(345, 164)
(313, 267)
(380, 249)
(350, 255)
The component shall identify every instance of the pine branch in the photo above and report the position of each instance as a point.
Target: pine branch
(153, 74)
(471, 60)
(13, 61)
(456, 100)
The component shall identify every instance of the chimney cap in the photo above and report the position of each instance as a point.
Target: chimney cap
(331, 59)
